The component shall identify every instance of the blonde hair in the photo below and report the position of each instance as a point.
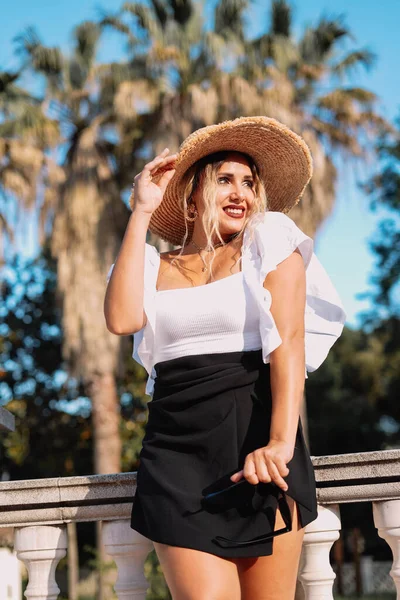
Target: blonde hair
(204, 172)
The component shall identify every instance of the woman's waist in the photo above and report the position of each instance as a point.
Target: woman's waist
(209, 373)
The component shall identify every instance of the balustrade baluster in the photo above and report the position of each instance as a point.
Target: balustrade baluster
(315, 571)
(129, 549)
(41, 548)
(387, 521)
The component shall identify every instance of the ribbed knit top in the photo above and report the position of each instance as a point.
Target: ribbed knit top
(221, 316)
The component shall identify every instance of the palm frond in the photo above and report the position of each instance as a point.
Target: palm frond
(229, 19)
(312, 73)
(25, 156)
(337, 137)
(284, 52)
(86, 36)
(182, 10)
(77, 74)
(202, 104)
(16, 182)
(134, 97)
(317, 43)
(43, 59)
(161, 12)
(7, 79)
(281, 18)
(32, 124)
(353, 60)
(145, 18)
(13, 98)
(345, 100)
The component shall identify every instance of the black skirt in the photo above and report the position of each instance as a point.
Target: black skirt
(207, 413)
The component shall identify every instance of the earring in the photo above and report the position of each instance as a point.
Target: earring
(192, 214)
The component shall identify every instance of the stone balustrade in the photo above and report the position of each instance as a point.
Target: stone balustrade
(39, 511)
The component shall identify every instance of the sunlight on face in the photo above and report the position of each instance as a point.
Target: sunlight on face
(234, 193)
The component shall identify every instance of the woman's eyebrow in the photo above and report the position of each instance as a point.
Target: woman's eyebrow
(226, 174)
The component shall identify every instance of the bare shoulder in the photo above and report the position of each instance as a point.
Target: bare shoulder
(288, 272)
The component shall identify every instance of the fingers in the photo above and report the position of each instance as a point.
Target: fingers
(160, 160)
(276, 477)
(165, 179)
(237, 476)
(249, 470)
(260, 467)
(155, 162)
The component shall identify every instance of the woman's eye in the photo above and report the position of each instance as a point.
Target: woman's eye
(250, 183)
(222, 179)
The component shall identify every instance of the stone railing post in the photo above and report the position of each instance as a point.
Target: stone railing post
(387, 521)
(315, 571)
(129, 549)
(41, 548)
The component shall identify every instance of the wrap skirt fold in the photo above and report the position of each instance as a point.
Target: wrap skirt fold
(207, 413)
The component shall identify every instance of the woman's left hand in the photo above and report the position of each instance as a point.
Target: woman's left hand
(267, 464)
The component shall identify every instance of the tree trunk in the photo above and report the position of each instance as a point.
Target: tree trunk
(73, 562)
(106, 448)
(105, 418)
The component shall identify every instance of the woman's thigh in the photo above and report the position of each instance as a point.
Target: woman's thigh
(195, 575)
(274, 577)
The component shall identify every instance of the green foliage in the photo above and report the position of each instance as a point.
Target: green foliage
(53, 434)
(383, 189)
(49, 440)
(351, 403)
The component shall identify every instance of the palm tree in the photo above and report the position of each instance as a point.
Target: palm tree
(180, 60)
(174, 63)
(199, 75)
(303, 84)
(84, 218)
(24, 133)
(88, 220)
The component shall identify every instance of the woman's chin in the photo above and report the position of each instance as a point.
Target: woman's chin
(231, 228)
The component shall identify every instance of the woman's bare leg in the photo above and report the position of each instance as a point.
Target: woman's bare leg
(274, 577)
(195, 575)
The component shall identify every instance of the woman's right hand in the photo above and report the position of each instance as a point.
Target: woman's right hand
(148, 194)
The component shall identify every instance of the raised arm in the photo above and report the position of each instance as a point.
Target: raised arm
(123, 302)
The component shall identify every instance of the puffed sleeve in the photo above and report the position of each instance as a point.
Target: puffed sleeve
(143, 340)
(271, 238)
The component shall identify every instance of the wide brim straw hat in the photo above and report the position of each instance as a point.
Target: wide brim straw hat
(282, 158)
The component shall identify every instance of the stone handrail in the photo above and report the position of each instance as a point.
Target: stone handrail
(39, 510)
(363, 476)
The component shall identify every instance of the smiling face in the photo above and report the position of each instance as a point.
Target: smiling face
(225, 194)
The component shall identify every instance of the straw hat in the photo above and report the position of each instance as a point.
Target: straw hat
(282, 157)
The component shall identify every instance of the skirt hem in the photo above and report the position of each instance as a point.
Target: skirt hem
(221, 552)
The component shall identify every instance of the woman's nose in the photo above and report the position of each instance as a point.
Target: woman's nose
(238, 192)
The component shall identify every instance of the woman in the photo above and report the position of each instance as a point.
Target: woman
(226, 326)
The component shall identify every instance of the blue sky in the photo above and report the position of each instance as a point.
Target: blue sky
(342, 242)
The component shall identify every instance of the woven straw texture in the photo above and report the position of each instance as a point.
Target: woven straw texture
(282, 157)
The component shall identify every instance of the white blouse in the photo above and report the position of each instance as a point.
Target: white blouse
(220, 316)
(268, 239)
